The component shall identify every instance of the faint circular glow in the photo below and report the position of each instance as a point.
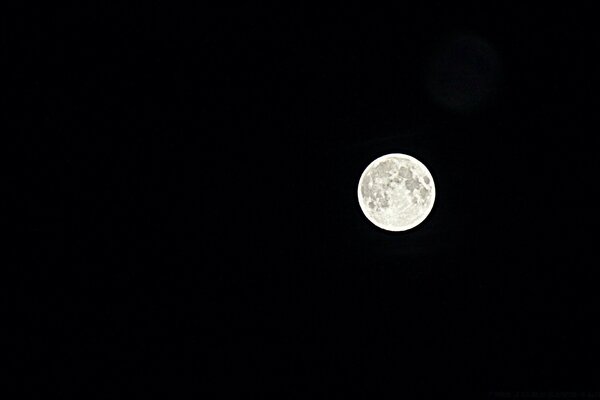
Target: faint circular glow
(463, 73)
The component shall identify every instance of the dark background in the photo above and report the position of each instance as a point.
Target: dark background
(186, 192)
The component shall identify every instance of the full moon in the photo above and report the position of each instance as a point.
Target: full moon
(396, 192)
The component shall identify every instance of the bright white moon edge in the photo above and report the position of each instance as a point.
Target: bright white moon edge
(396, 192)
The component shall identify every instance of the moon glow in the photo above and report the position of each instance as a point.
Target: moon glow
(396, 192)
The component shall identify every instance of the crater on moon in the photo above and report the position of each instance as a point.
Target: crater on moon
(396, 192)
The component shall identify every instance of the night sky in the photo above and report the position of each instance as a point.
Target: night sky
(186, 199)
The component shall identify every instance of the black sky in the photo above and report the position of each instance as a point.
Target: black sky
(186, 186)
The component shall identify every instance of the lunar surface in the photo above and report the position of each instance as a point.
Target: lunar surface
(396, 192)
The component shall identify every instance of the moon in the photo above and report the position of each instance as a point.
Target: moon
(396, 192)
